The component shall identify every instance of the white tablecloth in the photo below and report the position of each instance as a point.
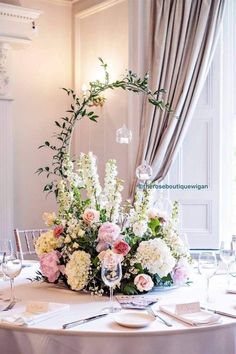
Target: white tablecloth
(104, 335)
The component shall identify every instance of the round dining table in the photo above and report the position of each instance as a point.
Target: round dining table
(104, 335)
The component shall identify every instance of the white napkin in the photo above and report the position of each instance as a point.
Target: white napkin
(21, 316)
(195, 318)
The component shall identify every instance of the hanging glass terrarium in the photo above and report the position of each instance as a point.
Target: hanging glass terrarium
(123, 135)
(144, 172)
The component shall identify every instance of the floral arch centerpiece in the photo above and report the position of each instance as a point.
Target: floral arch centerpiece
(92, 224)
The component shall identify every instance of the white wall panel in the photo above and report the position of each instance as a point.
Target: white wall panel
(198, 162)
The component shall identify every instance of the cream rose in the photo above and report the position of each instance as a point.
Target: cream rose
(91, 216)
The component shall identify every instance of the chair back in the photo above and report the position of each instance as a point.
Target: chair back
(25, 242)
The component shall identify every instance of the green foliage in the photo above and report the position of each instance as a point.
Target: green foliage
(129, 289)
(154, 225)
(81, 107)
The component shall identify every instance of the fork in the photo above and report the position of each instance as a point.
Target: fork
(10, 306)
(150, 310)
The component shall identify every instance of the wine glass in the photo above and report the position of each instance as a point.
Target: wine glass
(11, 267)
(207, 265)
(227, 255)
(5, 248)
(111, 273)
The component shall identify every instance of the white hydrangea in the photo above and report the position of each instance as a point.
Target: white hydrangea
(47, 242)
(77, 270)
(155, 256)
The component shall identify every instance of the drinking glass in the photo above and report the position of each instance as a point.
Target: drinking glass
(111, 273)
(5, 248)
(227, 255)
(207, 265)
(11, 267)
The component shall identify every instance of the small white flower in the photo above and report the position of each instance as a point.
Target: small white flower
(139, 228)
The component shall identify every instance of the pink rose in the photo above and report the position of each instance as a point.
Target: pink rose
(50, 266)
(143, 282)
(102, 246)
(57, 231)
(108, 233)
(180, 273)
(91, 216)
(121, 247)
(109, 259)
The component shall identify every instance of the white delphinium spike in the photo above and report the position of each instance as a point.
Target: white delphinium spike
(141, 207)
(80, 175)
(90, 177)
(68, 171)
(65, 199)
(112, 191)
(116, 202)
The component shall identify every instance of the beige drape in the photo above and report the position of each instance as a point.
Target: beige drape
(182, 38)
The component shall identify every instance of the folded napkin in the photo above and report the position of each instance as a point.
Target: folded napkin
(195, 318)
(32, 313)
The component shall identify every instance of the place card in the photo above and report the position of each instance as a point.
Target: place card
(37, 307)
(191, 307)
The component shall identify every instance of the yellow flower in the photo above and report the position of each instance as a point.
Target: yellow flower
(49, 218)
(77, 270)
(47, 242)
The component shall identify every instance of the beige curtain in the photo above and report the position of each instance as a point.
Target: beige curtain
(182, 38)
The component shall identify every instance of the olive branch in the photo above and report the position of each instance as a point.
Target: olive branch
(81, 108)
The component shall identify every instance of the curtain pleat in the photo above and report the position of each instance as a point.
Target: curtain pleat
(182, 38)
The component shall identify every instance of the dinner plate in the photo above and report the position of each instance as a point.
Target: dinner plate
(134, 319)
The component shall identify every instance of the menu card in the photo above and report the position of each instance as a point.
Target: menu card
(136, 301)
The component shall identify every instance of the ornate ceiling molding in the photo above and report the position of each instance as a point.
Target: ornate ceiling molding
(18, 13)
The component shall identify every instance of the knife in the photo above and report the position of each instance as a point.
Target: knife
(226, 314)
(82, 321)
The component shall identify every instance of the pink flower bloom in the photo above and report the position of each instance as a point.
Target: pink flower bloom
(143, 282)
(57, 231)
(109, 259)
(180, 273)
(101, 246)
(108, 233)
(50, 267)
(121, 247)
(91, 216)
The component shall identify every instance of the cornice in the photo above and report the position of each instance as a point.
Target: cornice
(18, 13)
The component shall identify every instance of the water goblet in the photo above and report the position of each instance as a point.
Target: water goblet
(207, 265)
(5, 248)
(227, 255)
(11, 267)
(111, 274)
